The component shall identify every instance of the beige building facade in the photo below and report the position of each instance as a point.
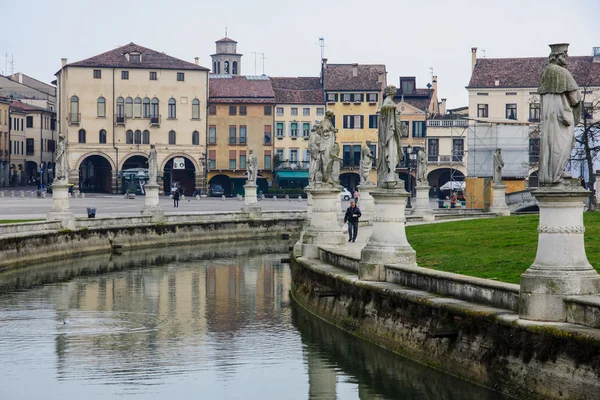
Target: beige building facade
(4, 142)
(113, 106)
(16, 122)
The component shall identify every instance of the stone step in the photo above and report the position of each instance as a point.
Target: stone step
(583, 310)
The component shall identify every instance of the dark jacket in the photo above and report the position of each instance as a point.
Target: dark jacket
(350, 214)
(176, 195)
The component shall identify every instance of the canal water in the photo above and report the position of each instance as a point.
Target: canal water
(156, 327)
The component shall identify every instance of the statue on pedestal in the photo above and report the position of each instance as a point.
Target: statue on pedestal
(62, 160)
(498, 165)
(366, 164)
(321, 149)
(421, 167)
(252, 168)
(152, 165)
(560, 103)
(390, 144)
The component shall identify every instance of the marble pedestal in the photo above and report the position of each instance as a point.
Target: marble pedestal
(151, 203)
(366, 202)
(388, 243)
(61, 211)
(499, 203)
(251, 201)
(421, 206)
(323, 227)
(561, 267)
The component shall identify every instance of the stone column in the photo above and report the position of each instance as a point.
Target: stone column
(323, 227)
(251, 202)
(61, 211)
(152, 205)
(421, 206)
(499, 203)
(561, 267)
(366, 203)
(388, 243)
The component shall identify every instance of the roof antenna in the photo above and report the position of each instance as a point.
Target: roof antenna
(483, 52)
(322, 46)
(263, 62)
(225, 26)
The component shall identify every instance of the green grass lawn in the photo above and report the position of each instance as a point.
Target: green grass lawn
(494, 248)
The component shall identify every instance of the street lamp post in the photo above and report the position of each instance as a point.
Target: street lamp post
(410, 160)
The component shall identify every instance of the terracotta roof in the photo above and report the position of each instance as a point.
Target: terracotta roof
(28, 107)
(225, 40)
(526, 72)
(298, 90)
(150, 59)
(240, 89)
(341, 77)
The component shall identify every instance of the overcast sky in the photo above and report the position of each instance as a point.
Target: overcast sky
(409, 37)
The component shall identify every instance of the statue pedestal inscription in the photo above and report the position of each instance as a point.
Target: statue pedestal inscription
(251, 201)
(561, 267)
(61, 211)
(323, 226)
(366, 202)
(421, 206)
(499, 203)
(387, 244)
(151, 203)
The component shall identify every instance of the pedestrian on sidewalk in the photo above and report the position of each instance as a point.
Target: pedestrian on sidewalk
(356, 195)
(352, 215)
(176, 198)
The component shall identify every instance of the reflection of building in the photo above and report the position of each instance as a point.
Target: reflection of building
(115, 104)
(4, 142)
(300, 105)
(354, 92)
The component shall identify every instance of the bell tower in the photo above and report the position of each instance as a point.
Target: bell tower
(226, 60)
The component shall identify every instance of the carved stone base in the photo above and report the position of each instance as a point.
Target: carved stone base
(250, 194)
(323, 227)
(152, 205)
(421, 206)
(561, 267)
(499, 203)
(388, 243)
(366, 202)
(61, 210)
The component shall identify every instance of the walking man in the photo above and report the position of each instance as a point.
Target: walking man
(176, 198)
(352, 215)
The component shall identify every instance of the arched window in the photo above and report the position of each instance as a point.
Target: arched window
(195, 109)
(81, 136)
(129, 136)
(234, 68)
(172, 108)
(214, 67)
(101, 107)
(195, 138)
(226, 67)
(102, 136)
(154, 107)
(120, 108)
(74, 117)
(172, 138)
(129, 107)
(146, 137)
(137, 108)
(146, 107)
(138, 137)
(218, 67)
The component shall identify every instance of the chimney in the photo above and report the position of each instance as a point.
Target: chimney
(63, 61)
(196, 60)
(354, 69)
(496, 81)
(473, 58)
(324, 61)
(443, 107)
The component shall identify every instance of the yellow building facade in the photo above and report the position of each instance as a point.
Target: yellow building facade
(16, 148)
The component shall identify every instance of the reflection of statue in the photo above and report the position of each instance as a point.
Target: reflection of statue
(62, 162)
(390, 146)
(560, 102)
(366, 163)
(498, 165)
(152, 165)
(321, 146)
(252, 168)
(421, 166)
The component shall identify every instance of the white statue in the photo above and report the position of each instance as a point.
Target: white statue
(498, 165)
(560, 103)
(336, 164)
(252, 168)
(390, 142)
(62, 161)
(152, 165)
(321, 147)
(366, 163)
(421, 167)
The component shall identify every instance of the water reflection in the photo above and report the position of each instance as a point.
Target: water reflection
(218, 329)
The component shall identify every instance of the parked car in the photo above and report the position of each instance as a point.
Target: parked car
(345, 194)
(216, 190)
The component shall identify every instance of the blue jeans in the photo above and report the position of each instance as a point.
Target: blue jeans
(352, 230)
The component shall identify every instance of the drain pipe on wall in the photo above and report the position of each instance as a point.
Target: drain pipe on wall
(113, 133)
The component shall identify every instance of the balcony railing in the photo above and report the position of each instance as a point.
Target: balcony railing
(533, 119)
(447, 123)
(351, 163)
(445, 159)
(74, 118)
(295, 165)
(155, 120)
(119, 119)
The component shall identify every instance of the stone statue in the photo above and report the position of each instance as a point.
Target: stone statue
(366, 163)
(421, 167)
(390, 145)
(152, 165)
(321, 149)
(252, 168)
(560, 103)
(498, 165)
(336, 167)
(62, 161)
